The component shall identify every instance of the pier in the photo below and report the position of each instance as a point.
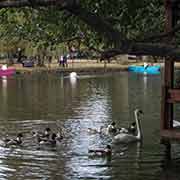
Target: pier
(170, 94)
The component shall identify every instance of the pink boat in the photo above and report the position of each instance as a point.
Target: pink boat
(7, 71)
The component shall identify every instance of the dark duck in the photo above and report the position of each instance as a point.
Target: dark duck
(42, 135)
(50, 141)
(16, 141)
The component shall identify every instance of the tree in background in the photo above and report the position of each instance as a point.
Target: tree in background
(111, 27)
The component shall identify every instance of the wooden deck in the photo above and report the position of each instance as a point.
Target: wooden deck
(170, 94)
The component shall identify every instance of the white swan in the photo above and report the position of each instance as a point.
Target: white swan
(126, 137)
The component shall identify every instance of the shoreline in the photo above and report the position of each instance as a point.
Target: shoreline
(82, 67)
(79, 67)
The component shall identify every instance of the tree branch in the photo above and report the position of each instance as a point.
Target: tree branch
(161, 50)
(23, 3)
(162, 35)
(73, 6)
(98, 24)
(28, 3)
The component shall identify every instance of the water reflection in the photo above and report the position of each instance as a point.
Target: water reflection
(170, 167)
(4, 92)
(138, 156)
(73, 81)
(90, 114)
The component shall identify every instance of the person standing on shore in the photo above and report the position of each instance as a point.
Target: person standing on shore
(65, 61)
(61, 60)
(49, 61)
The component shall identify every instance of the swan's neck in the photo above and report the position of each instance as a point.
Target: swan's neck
(139, 130)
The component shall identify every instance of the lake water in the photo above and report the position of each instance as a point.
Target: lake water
(33, 102)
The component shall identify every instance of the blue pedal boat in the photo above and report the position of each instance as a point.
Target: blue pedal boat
(154, 69)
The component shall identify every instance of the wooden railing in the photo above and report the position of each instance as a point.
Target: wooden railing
(170, 96)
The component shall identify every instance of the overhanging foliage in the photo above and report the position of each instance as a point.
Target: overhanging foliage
(122, 26)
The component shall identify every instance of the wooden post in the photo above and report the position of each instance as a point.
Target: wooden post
(167, 108)
(168, 16)
(168, 150)
(169, 84)
(163, 124)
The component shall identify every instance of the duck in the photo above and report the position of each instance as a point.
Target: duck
(50, 141)
(16, 141)
(112, 128)
(109, 130)
(46, 134)
(101, 152)
(131, 129)
(59, 136)
(128, 137)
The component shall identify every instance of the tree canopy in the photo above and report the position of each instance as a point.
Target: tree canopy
(113, 27)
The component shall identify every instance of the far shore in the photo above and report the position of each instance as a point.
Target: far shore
(77, 66)
(82, 66)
